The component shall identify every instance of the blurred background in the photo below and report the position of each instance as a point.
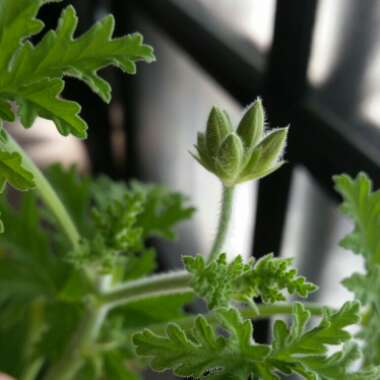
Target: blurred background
(316, 64)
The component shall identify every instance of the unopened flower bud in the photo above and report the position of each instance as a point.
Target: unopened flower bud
(244, 155)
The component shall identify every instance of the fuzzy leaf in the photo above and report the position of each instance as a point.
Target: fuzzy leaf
(114, 220)
(215, 281)
(202, 352)
(305, 352)
(270, 276)
(163, 210)
(362, 205)
(366, 287)
(220, 282)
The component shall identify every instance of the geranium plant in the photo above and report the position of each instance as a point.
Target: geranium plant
(78, 295)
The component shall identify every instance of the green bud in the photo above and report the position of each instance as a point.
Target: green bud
(218, 128)
(272, 148)
(229, 158)
(251, 126)
(243, 155)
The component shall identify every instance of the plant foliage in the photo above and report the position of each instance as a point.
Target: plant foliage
(362, 205)
(79, 299)
(203, 353)
(219, 282)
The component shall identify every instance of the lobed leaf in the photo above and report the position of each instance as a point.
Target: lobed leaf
(32, 75)
(202, 352)
(220, 282)
(362, 205)
(225, 349)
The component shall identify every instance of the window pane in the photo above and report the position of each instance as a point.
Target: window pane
(313, 230)
(252, 18)
(345, 62)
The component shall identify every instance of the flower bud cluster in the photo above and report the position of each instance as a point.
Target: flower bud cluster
(244, 154)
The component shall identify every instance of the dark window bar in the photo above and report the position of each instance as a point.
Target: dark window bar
(283, 89)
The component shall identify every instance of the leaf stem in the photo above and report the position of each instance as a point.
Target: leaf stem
(71, 360)
(224, 220)
(86, 333)
(265, 311)
(47, 193)
(168, 283)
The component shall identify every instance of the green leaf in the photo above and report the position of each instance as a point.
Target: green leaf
(43, 99)
(17, 22)
(339, 366)
(163, 210)
(366, 287)
(220, 282)
(29, 273)
(215, 281)
(32, 75)
(305, 352)
(27, 269)
(6, 112)
(362, 205)
(330, 331)
(270, 276)
(202, 351)
(114, 220)
(13, 171)
(370, 335)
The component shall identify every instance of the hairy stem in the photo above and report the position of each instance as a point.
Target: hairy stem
(71, 361)
(265, 311)
(169, 283)
(47, 193)
(86, 333)
(36, 329)
(224, 220)
(31, 372)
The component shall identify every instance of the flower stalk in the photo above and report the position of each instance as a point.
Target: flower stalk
(224, 221)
